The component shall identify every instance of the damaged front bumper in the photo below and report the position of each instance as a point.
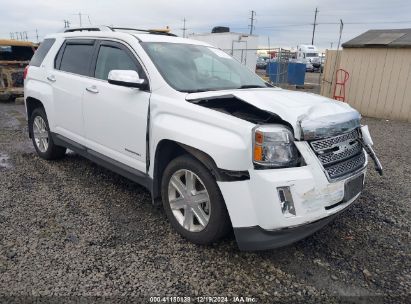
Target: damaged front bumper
(257, 238)
(277, 207)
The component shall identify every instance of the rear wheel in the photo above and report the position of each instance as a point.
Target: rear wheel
(41, 136)
(193, 202)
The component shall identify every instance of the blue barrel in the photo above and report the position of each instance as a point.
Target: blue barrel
(286, 72)
(277, 72)
(296, 73)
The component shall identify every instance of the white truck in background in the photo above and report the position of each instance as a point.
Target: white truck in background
(307, 54)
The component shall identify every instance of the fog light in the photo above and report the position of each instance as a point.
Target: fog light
(287, 203)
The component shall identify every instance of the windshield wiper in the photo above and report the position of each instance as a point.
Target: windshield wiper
(195, 91)
(248, 86)
(251, 86)
(205, 90)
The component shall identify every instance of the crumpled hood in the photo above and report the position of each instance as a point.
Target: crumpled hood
(311, 115)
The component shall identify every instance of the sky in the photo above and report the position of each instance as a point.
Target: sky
(286, 23)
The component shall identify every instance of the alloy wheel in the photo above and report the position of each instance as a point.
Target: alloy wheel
(189, 200)
(40, 133)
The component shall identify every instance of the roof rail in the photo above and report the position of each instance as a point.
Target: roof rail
(154, 32)
(88, 29)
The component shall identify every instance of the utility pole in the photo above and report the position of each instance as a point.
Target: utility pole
(336, 58)
(79, 15)
(331, 46)
(37, 35)
(341, 30)
(252, 22)
(11, 36)
(184, 28)
(315, 23)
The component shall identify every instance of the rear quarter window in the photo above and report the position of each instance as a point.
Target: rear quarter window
(41, 52)
(76, 57)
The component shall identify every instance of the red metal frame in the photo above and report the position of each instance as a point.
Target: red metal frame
(341, 78)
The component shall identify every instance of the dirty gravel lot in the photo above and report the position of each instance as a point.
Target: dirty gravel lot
(70, 228)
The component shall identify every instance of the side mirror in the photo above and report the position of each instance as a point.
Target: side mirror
(126, 78)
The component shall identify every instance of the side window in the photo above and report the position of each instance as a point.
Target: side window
(41, 52)
(76, 58)
(112, 58)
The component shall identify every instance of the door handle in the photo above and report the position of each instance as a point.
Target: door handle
(92, 89)
(51, 78)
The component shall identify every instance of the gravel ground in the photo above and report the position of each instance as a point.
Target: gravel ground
(72, 228)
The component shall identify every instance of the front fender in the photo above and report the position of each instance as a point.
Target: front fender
(229, 148)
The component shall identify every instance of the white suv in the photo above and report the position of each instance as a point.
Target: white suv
(217, 145)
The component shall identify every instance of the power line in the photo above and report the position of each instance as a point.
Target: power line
(66, 23)
(252, 22)
(19, 36)
(314, 24)
(365, 23)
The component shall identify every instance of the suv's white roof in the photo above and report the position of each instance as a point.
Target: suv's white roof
(164, 38)
(127, 35)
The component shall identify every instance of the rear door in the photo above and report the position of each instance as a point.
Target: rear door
(72, 69)
(115, 117)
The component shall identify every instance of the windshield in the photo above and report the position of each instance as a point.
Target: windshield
(16, 53)
(196, 68)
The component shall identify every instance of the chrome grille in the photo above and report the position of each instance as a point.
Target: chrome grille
(340, 155)
(328, 143)
(344, 167)
(331, 157)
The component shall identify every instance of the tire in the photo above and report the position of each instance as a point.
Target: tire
(218, 224)
(41, 136)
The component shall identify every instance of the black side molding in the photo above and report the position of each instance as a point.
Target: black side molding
(128, 172)
(232, 176)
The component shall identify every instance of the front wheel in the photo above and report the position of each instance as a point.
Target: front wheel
(41, 136)
(193, 202)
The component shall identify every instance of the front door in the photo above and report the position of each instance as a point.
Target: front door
(115, 117)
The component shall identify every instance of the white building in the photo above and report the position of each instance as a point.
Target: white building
(243, 47)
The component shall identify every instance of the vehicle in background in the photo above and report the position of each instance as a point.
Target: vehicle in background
(14, 57)
(307, 54)
(309, 67)
(318, 63)
(261, 63)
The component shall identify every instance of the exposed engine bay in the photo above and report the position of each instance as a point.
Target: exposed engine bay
(240, 109)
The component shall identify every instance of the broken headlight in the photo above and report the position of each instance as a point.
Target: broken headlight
(273, 147)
